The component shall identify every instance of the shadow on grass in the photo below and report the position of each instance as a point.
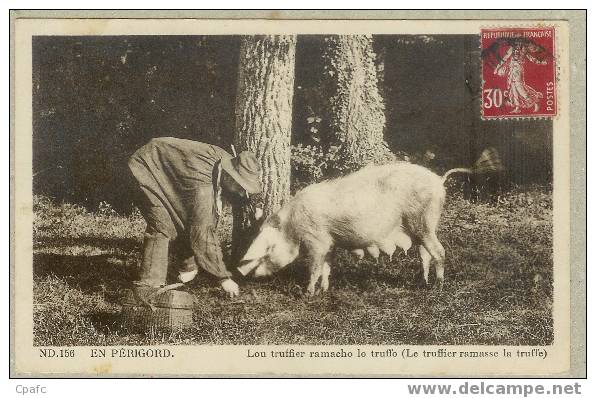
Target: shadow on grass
(105, 273)
(101, 243)
(106, 322)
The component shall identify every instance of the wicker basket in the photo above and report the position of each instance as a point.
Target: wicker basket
(172, 312)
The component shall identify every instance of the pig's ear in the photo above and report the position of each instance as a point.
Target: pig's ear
(257, 249)
(247, 266)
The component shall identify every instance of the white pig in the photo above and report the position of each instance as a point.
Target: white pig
(373, 210)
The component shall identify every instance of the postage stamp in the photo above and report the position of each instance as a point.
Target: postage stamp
(518, 72)
(199, 197)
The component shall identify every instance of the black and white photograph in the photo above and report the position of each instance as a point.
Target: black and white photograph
(300, 195)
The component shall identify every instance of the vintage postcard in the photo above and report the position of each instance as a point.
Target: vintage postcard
(283, 195)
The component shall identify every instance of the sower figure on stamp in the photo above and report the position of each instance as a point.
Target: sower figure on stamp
(182, 183)
(512, 64)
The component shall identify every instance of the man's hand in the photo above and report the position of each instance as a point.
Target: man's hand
(230, 287)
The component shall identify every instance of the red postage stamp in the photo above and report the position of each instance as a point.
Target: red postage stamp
(518, 72)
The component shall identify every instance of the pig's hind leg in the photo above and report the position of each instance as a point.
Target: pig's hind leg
(436, 250)
(425, 257)
(431, 242)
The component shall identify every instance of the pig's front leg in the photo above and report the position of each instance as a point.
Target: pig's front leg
(317, 264)
(316, 255)
(316, 270)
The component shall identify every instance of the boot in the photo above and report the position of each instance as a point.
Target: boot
(154, 267)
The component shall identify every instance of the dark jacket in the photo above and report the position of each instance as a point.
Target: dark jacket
(181, 175)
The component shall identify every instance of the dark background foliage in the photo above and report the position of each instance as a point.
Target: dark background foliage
(97, 99)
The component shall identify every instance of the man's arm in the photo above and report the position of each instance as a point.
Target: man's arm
(205, 245)
(207, 251)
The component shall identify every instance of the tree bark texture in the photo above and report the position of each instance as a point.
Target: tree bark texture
(356, 107)
(264, 121)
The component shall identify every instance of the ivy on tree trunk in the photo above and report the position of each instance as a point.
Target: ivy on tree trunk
(356, 108)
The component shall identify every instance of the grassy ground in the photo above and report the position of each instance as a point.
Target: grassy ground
(498, 286)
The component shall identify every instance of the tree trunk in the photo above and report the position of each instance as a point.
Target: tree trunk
(264, 122)
(356, 107)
